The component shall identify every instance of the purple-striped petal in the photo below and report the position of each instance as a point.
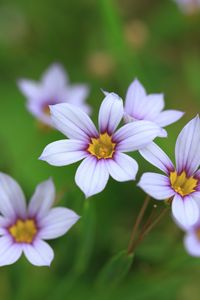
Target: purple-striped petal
(57, 222)
(12, 200)
(122, 167)
(157, 157)
(187, 149)
(110, 113)
(168, 117)
(136, 135)
(64, 152)
(92, 176)
(149, 107)
(72, 121)
(39, 253)
(185, 210)
(135, 94)
(156, 185)
(192, 244)
(9, 251)
(42, 199)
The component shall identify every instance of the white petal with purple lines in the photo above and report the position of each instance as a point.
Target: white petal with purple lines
(185, 210)
(110, 113)
(156, 185)
(122, 167)
(168, 117)
(157, 157)
(64, 152)
(72, 121)
(39, 253)
(136, 135)
(187, 149)
(57, 222)
(42, 199)
(92, 176)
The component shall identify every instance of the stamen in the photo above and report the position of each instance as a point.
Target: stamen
(23, 231)
(102, 147)
(182, 184)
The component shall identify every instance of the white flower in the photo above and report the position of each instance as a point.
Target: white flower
(23, 229)
(101, 150)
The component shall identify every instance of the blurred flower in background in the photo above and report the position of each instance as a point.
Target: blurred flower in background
(53, 88)
(189, 6)
(100, 64)
(136, 34)
(23, 229)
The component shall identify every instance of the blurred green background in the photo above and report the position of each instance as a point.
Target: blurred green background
(106, 44)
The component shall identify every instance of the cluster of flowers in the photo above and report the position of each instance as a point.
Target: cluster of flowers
(57, 103)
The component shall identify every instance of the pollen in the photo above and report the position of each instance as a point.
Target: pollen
(23, 231)
(182, 184)
(46, 110)
(102, 147)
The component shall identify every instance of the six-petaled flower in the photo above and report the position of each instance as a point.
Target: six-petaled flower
(180, 184)
(23, 229)
(53, 88)
(101, 150)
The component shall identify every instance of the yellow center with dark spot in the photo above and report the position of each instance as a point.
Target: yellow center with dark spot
(102, 147)
(23, 231)
(182, 184)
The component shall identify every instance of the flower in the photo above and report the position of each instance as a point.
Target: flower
(54, 88)
(192, 239)
(23, 229)
(140, 106)
(101, 150)
(188, 6)
(181, 184)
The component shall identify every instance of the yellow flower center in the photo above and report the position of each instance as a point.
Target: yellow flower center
(182, 184)
(23, 231)
(197, 232)
(46, 110)
(102, 147)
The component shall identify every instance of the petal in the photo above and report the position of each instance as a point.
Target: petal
(122, 167)
(9, 252)
(12, 198)
(110, 113)
(187, 149)
(168, 117)
(156, 185)
(134, 96)
(55, 76)
(152, 106)
(72, 121)
(57, 222)
(39, 254)
(157, 157)
(92, 176)
(136, 135)
(185, 210)
(35, 109)
(64, 152)
(42, 199)
(29, 88)
(77, 93)
(192, 244)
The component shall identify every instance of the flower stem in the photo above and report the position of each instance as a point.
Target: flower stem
(137, 223)
(148, 227)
